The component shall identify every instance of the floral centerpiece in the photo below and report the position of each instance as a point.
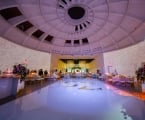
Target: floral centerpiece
(20, 70)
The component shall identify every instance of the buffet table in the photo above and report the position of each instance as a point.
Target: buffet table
(8, 86)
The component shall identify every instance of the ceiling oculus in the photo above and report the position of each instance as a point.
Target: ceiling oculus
(76, 12)
(76, 15)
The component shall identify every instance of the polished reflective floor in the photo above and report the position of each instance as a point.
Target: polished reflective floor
(75, 99)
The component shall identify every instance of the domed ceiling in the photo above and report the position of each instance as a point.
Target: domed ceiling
(73, 27)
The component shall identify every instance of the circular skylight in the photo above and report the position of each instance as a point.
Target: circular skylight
(76, 12)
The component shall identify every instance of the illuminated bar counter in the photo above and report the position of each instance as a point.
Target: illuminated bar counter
(8, 86)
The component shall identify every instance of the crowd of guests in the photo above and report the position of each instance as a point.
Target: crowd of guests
(22, 70)
(55, 74)
(24, 73)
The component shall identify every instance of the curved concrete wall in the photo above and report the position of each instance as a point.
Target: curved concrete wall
(11, 54)
(125, 61)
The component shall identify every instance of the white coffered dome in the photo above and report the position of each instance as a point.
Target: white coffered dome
(74, 27)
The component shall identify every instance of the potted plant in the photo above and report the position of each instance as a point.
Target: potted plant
(22, 72)
(140, 75)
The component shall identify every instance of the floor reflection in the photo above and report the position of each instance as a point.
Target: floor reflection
(139, 95)
(75, 99)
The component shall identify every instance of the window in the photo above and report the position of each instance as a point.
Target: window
(49, 38)
(37, 33)
(9, 13)
(24, 26)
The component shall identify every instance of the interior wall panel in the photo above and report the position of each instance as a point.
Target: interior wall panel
(11, 54)
(126, 61)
